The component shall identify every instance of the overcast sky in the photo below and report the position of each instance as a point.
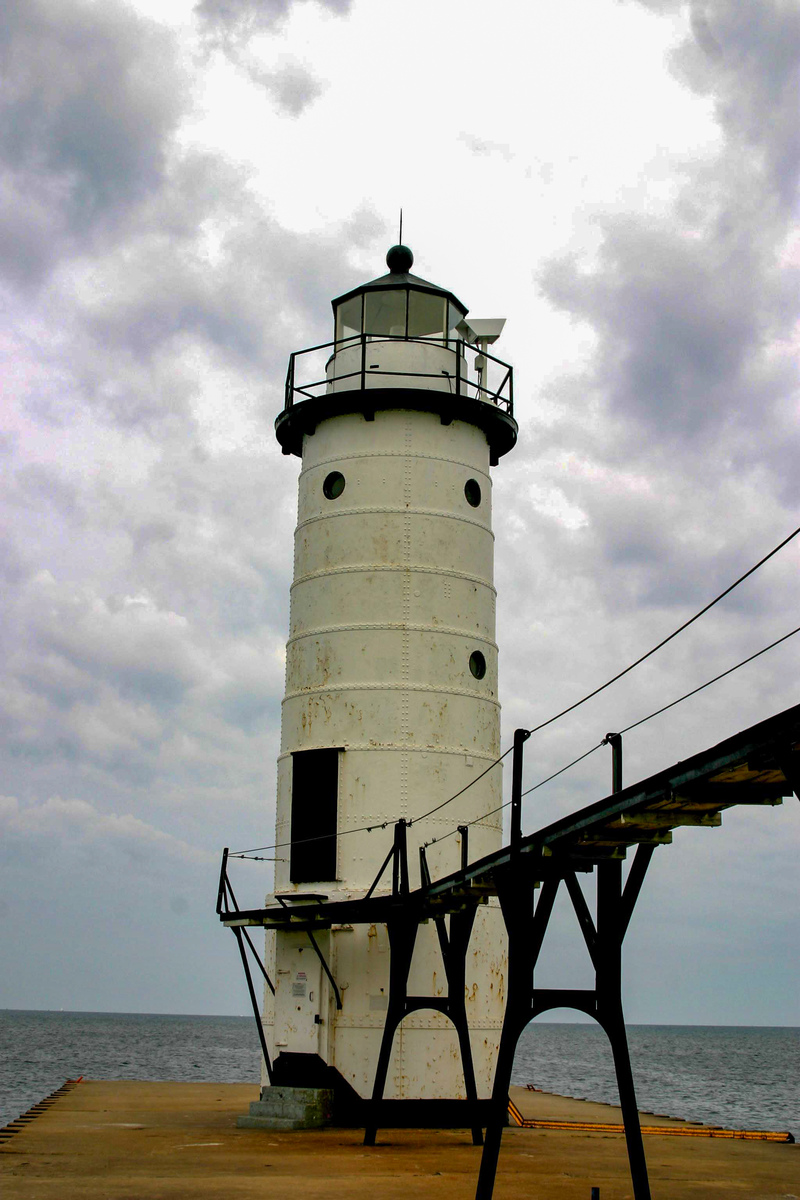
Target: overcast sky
(183, 189)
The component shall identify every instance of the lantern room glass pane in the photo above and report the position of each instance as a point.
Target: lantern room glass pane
(348, 319)
(426, 315)
(385, 313)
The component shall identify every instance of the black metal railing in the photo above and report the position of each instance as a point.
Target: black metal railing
(227, 906)
(461, 381)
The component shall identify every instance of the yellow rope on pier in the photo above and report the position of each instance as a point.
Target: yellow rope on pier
(714, 1131)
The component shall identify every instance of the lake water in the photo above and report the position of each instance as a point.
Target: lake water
(734, 1076)
(39, 1050)
(744, 1078)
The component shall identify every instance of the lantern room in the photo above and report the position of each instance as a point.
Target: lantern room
(399, 305)
(401, 342)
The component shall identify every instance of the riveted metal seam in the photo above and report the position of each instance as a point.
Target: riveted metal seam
(417, 748)
(329, 690)
(366, 568)
(392, 510)
(340, 458)
(400, 626)
(405, 669)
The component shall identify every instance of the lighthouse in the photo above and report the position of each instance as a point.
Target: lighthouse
(391, 697)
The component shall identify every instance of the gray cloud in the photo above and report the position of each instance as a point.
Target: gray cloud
(747, 57)
(240, 20)
(72, 823)
(113, 695)
(232, 25)
(292, 87)
(163, 668)
(43, 485)
(153, 311)
(13, 568)
(691, 309)
(103, 205)
(91, 97)
(683, 316)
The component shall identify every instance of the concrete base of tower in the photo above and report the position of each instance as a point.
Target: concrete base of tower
(289, 1108)
(303, 1074)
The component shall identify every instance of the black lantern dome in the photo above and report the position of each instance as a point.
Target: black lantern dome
(399, 305)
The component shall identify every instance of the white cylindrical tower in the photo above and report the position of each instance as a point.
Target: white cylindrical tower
(391, 671)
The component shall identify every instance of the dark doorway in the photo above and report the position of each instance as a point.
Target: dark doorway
(315, 796)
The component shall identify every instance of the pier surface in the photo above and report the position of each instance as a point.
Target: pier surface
(167, 1141)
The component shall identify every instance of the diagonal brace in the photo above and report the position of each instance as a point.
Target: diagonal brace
(257, 957)
(254, 1002)
(582, 913)
(325, 968)
(633, 886)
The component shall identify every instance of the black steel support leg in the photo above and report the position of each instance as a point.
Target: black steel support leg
(612, 920)
(470, 1086)
(524, 942)
(499, 1110)
(615, 1028)
(402, 937)
(454, 954)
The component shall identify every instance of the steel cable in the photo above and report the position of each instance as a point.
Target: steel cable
(665, 640)
(571, 708)
(627, 729)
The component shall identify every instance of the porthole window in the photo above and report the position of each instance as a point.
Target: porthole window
(477, 664)
(472, 490)
(333, 485)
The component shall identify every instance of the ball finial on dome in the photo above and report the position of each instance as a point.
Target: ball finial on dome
(399, 260)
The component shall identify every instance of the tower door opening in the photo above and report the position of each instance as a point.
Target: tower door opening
(299, 980)
(315, 802)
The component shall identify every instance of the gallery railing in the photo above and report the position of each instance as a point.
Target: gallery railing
(476, 384)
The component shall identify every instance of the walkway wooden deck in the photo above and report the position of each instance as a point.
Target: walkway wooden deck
(170, 1141)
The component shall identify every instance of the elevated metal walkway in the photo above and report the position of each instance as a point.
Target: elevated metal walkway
(757, 766)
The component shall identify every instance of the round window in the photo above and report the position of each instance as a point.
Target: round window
(333, 485)
(477, 664)
(472, 490)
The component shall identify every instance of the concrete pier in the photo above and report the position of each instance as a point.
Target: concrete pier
(170, 1141)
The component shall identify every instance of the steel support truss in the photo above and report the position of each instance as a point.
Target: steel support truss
(526, 923)
(760, 765)
(402, 930)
